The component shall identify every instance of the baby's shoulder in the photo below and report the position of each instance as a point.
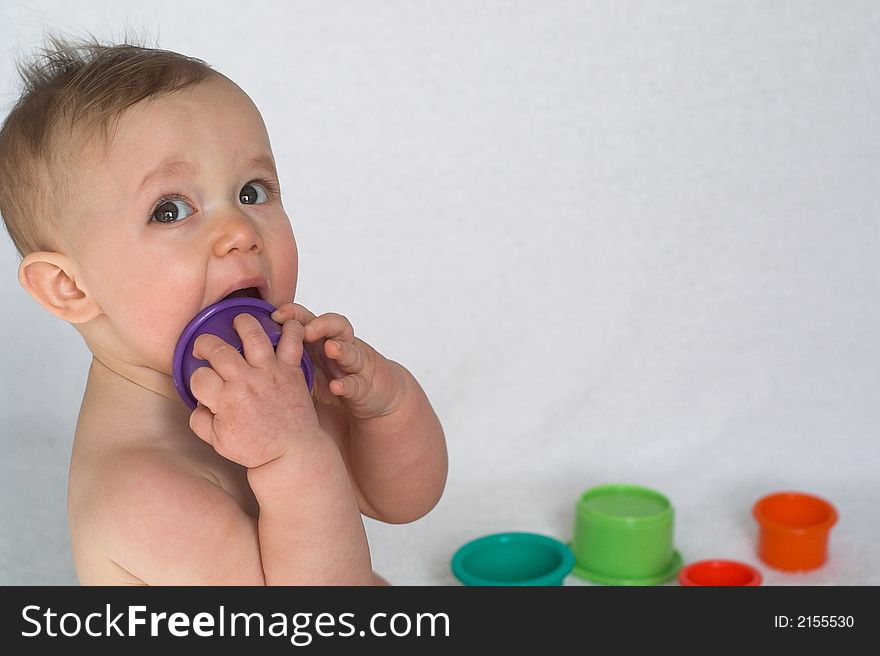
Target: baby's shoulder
(135, 482)
(132, 480)
(146, 511)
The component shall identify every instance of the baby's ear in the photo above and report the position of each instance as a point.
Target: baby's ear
(51, 279)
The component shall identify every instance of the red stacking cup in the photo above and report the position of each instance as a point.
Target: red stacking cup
(719, 573)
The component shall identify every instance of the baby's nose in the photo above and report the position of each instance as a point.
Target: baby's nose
(235, 230)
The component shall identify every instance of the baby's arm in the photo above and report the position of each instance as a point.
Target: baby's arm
(395, 449)
(309, 528)
(399, 458)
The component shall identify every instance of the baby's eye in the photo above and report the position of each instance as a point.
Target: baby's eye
(253, 194)
(171, 210)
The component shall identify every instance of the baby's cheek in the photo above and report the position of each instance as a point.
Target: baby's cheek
(156, 324)
(284, 276)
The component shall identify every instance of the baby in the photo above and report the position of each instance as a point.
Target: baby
(140, 187)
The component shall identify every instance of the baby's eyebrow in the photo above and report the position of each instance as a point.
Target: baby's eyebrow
(265, 162)
(176, 168)
(167, 169)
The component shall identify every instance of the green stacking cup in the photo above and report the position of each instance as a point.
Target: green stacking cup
(623, 536)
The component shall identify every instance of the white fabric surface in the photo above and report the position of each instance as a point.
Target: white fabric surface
(615, 241)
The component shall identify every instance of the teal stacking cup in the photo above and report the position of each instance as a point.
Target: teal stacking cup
(623, 535)
(512, 559)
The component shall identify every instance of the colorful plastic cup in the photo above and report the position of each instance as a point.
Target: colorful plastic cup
(512, 559)
(719, 573)
(793, 530)
(217, 320)
(623, 536)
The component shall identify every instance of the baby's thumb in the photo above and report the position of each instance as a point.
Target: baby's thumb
(201, 422)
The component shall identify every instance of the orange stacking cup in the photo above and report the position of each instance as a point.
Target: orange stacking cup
(794, 529)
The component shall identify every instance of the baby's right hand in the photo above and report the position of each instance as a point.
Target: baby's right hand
(251, 406)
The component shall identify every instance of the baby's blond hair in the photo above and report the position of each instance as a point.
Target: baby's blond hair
(74, 91)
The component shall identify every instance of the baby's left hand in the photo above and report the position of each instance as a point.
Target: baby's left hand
(348, 371)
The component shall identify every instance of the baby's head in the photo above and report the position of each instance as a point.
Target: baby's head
(139, 187)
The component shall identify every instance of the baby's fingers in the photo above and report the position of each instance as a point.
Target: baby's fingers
(352, 387)
(207, 386)
(256, 347)
(290, 344)
(348, 356)
(289, 311)
(331, 326)
(222, 357)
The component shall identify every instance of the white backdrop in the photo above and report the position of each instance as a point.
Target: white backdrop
(615, 241)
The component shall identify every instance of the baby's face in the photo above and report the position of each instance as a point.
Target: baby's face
(183, 210)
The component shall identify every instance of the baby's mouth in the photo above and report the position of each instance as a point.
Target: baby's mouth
(254, 287)
(247, 292)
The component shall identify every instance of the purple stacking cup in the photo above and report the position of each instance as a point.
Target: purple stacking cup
(217, 320)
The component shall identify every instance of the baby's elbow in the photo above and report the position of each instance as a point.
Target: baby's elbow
(415, 509)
